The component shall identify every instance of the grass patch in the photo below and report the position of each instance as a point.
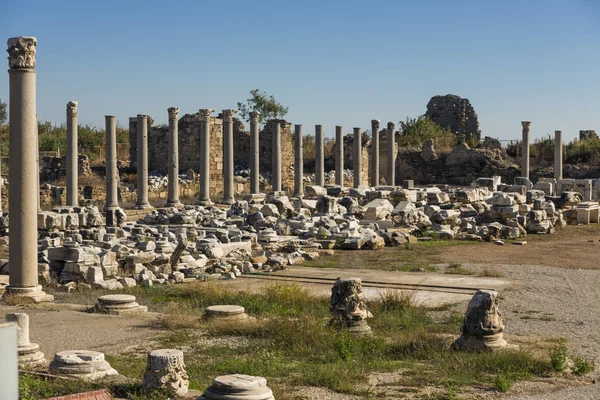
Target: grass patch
(490, 272)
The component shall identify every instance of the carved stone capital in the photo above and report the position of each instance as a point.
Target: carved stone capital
(254, 116)
(375, 124)
(526, 125)
(21, 52)
(205, 113)
(391, 126)
(173, 113)
(72, 108)
(228, 115)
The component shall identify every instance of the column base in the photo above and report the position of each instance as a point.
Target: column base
(204, 202)
(35, 293)
(175, 204)
(229, 200)
(142, 207)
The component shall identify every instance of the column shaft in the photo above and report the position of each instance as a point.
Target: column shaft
(276, 168)
(112, 171)
(254, 154)
(391, 157)
(228, 189)
(142, 162)
(173, 188)
(205, 155)
(558, 155)
(357, 156)
(374, 152)
(72, 156)
(319, 156)
(298, 162)
(525, 150)
(339, 155)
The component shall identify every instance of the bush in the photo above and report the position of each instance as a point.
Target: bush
(581, 366)
(503, 381)
(558, 357)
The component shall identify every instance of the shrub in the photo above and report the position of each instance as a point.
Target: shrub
(503, 381)
(558, 357)
(581, 366)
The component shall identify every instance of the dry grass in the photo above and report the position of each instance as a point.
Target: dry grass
(491, 272)
(16, 300)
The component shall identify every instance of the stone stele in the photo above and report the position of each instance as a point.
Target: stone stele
(482, 327)
(166, 369)
(348, 307)
(238, 387)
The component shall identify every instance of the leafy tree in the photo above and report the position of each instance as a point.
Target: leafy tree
(265, 104)
(416, 130)
(3, 113)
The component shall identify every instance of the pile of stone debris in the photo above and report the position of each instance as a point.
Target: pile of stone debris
(267, 233)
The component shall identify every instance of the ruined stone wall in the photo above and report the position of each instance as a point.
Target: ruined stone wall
(587, 134)
(349, 157)
(454, 113)
(55, 168)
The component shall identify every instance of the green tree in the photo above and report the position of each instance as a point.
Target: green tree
(3, 113)
(265, 104)
(414, 131)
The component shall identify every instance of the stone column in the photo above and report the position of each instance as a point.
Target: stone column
(72, 155)
(254, 151)
(112, 172)
(391, 159)
(339, 156)
(205, 156)
(173, 189)
(228, 190)
(319, 156)
(142, 163)
(276, 168)
(374, 152)
(525, 150)
(298, 162)
(23, 171)
(357, 164)
(558, 155)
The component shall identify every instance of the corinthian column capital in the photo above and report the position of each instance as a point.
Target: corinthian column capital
(228, 115)
(205, 113)
(72, 108)
(21, 52)
(173, 113)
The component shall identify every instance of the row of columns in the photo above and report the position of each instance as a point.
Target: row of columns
(525, 155)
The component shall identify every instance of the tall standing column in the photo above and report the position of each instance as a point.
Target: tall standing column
(339, 156)
(298, 162)
(525, 149)
(357, 156)
(142, 162)
(205, 156)
(374, 152)
(112, 171)
(254, 153)
(228, 191)
(276, 167)
(23, 171)
(173, 188)
(319, 156)
(558, 155)
(391, 158)
(72, 155)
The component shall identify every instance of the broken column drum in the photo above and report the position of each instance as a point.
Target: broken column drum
(391, 159)
(205, 156)
(319, 156)
(23, 174)
(525, 149)
(298, 162)
(165, 369)
(254, 153)
(228, 191)
(482, 328)
(558, 155)
(81, 364)
(225, 312)
(142, 163)
(357, 164)
(238, 387)
(29, 353)
(374, 152)
(119, 304)
(276, 162)
(173, 188)
(339, 155)
(348, 307)
(72, 199)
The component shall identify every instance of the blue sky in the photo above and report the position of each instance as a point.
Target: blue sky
(332, 62)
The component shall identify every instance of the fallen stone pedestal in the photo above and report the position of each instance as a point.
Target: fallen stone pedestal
(225, 313)
(119, 304)
(81, 364)
(238, 387)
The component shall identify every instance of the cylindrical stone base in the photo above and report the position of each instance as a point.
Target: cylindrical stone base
(225, 313)
(119, 304)
(81, 364)
(238, 387)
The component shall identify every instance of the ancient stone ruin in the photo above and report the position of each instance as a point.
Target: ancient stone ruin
(166, 369)
(238, 387)
(348, 307)
(455, 114)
